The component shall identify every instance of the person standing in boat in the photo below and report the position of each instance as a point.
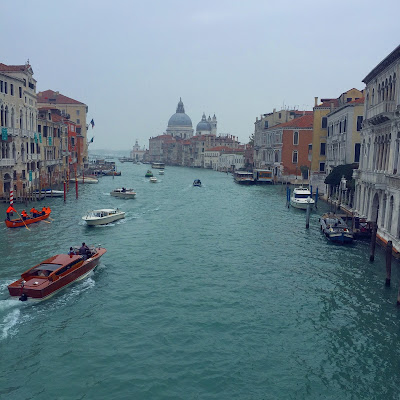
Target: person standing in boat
(10, 211)
(84, 251)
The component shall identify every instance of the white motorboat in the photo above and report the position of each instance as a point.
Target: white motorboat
(50, 193)
(103, 216)
(153, 179)
(86, 179)
(123, 193)
(301, 197)
(161, 172)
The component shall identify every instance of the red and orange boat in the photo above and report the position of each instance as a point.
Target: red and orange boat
(18, 222)
(47, 278)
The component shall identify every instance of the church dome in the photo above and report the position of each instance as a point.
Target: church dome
(180, 118)
(203, 125)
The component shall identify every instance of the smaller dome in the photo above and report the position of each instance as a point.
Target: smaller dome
(203, 125)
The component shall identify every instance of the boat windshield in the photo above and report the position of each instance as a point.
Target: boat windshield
(302, 196)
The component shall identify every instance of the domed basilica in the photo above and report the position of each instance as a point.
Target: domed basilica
(180, 124)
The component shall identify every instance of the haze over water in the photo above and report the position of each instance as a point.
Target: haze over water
(216, 292)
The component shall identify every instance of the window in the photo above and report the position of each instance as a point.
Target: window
(280, 115)
(321, 167)
(322, 150)
(295, 157)
(348, 99)
(324, 122)
(11, 89)
(344, 125)
(357, 148)
(5, 87)
(359, 122)
(78, 121)
(1, 86)
(20, 92)
(265, 124)
(77, 112)
(295, 138)
(39, 128)
(45, 131)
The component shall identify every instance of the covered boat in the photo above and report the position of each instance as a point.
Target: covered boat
(123, 193)
(18, 222)
(148, 174)
(301, 197)
(103, 216)
(47, 278)
(335, 229)
(244, 178)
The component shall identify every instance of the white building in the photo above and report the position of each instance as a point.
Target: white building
(180, 125)
(378, 178)
(137, 153)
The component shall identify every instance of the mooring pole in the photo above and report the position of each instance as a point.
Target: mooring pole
(388, 262)
(308, 215)
(288, 197)
(65, 192)
(373, 241)
(316, 197)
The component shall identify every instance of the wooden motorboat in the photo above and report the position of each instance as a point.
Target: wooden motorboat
(123, 193)
(335, 229)
(301, 197)
(148, 174)
(50, 193)
(103, 216)
(153, 179)
(197, 182)
(85, 179)
(47, 278)
(18, 222)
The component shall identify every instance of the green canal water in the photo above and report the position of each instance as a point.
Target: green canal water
(216, 292)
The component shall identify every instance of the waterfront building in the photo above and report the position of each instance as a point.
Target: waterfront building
(180, 124)
(377, 193)
(231, 160)
(20, 146)
(75, 111)
(320, 135)
(137, 153)
(343, 134)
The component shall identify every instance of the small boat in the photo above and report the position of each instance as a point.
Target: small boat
(148, 174)
(244, 178)
(335, 229)
(103, 216)
(153, 179)
(86, 179)
(47, 278)
(111, 173)
(50, 193)
(158, 165)
(301, 197)
(123, 193)
(161, 172)
(197, 182)
(18, 223)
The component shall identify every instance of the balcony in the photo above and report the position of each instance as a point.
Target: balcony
(48, 163)
(7, 162)
(381, 112)
(33, 157)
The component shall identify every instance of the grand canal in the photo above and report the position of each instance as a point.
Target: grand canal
(216, 292)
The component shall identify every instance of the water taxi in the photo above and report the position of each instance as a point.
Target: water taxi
(47, 278)
(103, 216)
(153, 179)
(301, 197)
(123, 193)
(197, 182)
(161, 172)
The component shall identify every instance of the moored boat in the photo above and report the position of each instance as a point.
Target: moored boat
(335, 229)
(86, 179)
(50, 193)
(47, 278)
(301, 197)
(103, 216)
(18, 222)
(123, 193)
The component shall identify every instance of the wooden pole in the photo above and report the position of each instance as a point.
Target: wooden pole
(373, 241)
(308, 215)
(65, 192)
(388, 262)
(76, 185)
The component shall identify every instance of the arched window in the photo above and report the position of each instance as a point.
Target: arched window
(389, 223)
(373, 97)
(295, 138)
(379, 93)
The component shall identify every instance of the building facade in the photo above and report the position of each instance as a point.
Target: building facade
(377, 193)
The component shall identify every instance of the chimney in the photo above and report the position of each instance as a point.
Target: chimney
(331, 107)
(316, 101)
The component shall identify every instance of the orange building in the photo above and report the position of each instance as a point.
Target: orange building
(297, 137)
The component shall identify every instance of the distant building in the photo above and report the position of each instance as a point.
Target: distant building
(207, 126)
(180, 125)
(137, 153)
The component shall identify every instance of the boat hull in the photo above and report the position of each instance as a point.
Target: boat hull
(301, 205)
(103, 220)
(122, 195)
(46, 289)
(18, 223)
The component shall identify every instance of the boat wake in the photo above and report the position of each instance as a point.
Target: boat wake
(11, 319)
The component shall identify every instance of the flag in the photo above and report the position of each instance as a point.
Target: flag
(92, 123)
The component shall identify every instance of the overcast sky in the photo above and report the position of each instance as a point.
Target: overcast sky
(131, 61)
